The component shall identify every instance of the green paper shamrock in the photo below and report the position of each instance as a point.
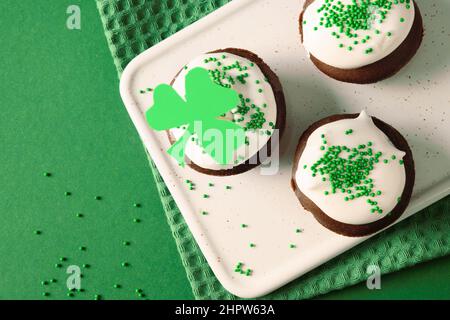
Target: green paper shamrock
(205, 102)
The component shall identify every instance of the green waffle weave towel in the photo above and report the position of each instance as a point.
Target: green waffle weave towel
(132, 26)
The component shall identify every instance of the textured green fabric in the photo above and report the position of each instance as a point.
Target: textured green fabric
(131, 26)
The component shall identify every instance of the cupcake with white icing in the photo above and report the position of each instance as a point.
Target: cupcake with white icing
(261, 111)
(354, 173)
(361, 41)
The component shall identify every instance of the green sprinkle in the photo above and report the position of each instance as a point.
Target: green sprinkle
(244, 225)
(205, 196)
(252, 245)
(402, 19)
(292, 246)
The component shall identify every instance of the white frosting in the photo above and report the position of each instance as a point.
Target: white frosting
(389, 178)
(250, 90)
(324, 46)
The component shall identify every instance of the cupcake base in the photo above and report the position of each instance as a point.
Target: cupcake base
(364, 229)
(381, 69)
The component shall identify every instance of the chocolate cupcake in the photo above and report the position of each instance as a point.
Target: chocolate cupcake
(362, 41)
(354, 173)
(261, 111)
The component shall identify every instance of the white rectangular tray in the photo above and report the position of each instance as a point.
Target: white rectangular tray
(415, 101)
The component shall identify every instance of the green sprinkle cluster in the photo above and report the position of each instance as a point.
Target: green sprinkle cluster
(239, 269)
(247, 112)
(348, 171)
(145, 90)
(357, 16)
(190, 184)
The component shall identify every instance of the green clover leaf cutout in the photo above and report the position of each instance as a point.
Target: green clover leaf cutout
(200, 113)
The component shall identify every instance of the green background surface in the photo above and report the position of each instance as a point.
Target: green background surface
(61, 112)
